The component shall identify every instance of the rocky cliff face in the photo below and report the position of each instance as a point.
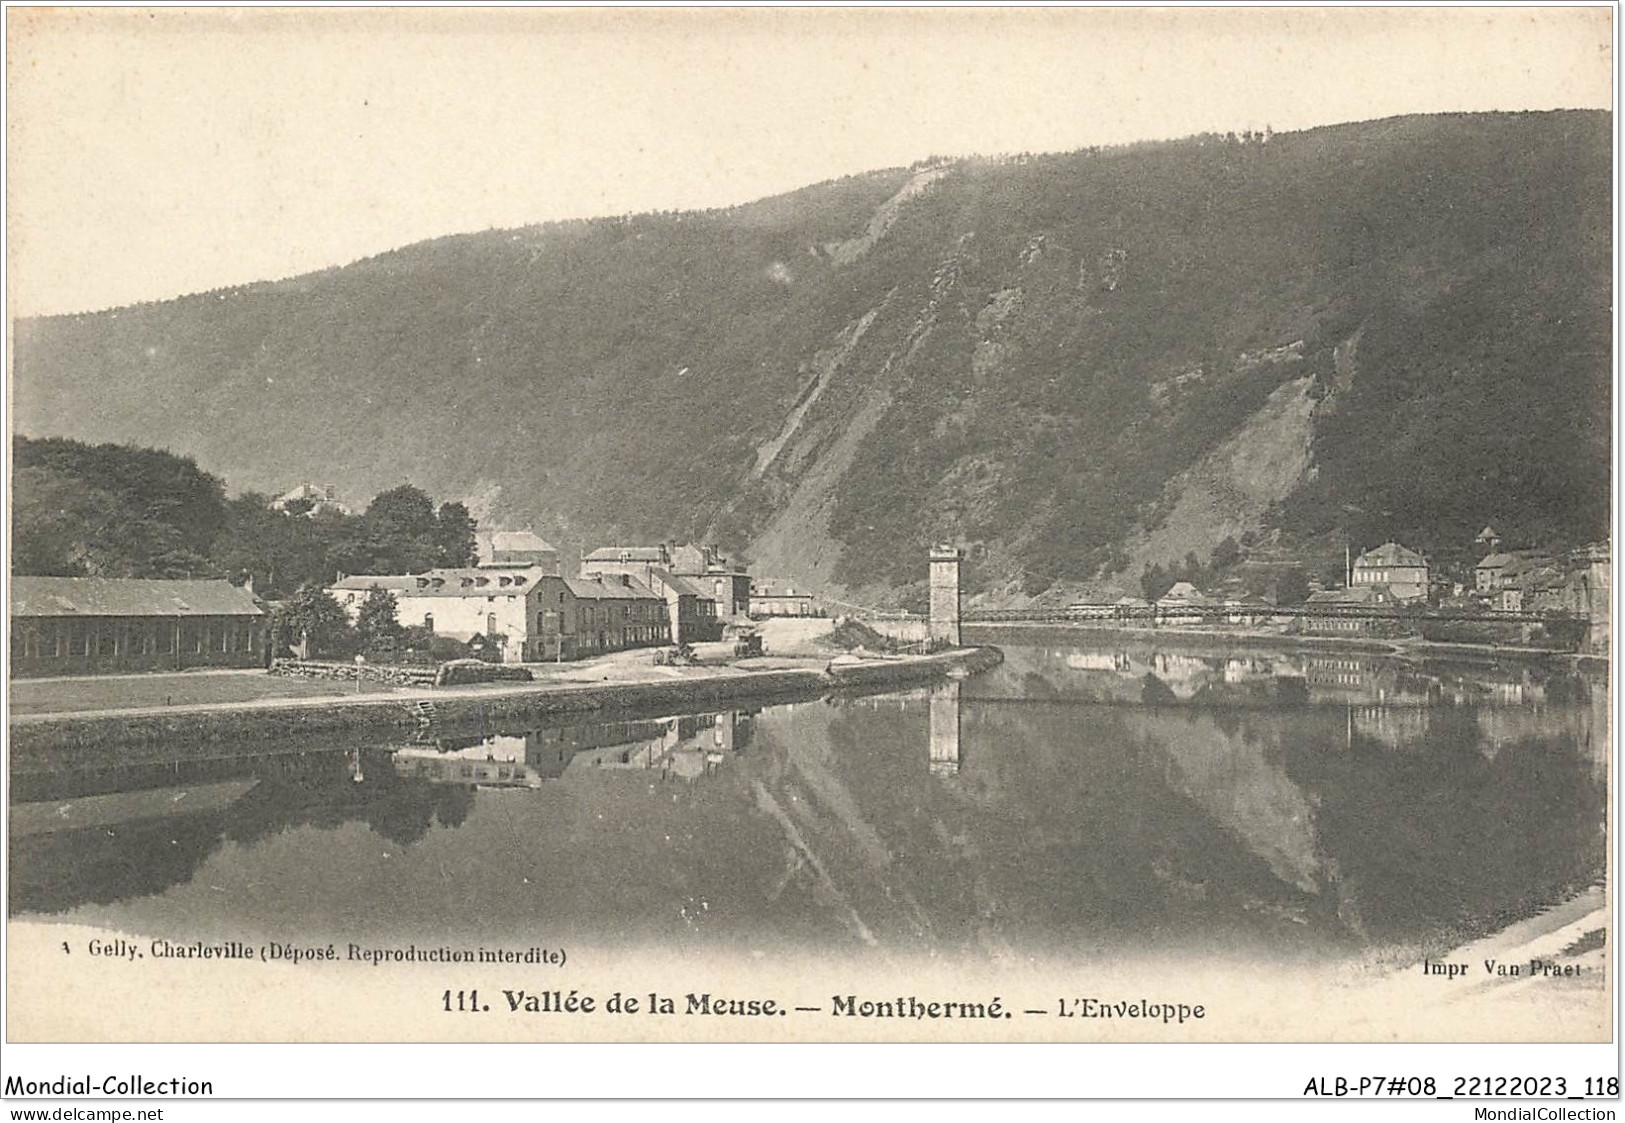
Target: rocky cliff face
(1074, 364)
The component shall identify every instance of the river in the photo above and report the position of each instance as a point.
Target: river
(1080, 800)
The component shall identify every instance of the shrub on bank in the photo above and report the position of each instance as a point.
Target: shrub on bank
(460, 672)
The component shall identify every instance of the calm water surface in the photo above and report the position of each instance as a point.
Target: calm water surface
(1080, 800)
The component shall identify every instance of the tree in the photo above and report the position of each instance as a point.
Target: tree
(111, 511)
(1291, 586)
(1225, 554)
(61, 528)
(1193, 568)
(312, 621)
(400, 533)
(406, 511)
(455, 535)
(280, 552)
(376, 624)
(1154, 582)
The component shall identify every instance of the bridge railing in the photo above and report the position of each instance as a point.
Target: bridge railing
(1255, 614)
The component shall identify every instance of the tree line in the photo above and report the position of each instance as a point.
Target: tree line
(81, 510)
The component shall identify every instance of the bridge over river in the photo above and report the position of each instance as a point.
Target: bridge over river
(1158, 615)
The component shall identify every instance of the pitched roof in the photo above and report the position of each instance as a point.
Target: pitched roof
(122, 596)
(1495, 561)
(1184, 591)
(628, 553)
(395, 582)
(518, 540)
(1247, 600)
(588, 588)
(1538, 577)
(1354, 594)
(466, 581)
(1390, 553)
(306, 491)
(682, 586)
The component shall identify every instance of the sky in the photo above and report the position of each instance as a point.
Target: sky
(162, 151)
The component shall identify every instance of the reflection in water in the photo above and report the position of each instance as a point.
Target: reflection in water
(1100, 802)
(945, 728)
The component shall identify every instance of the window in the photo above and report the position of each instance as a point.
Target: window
(428, 621)
(491, 624)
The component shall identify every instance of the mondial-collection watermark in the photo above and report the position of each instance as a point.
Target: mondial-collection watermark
(88, 1085)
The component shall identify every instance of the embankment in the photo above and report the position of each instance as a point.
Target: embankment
(70, 740)
(1174, 637)
(1208, 638)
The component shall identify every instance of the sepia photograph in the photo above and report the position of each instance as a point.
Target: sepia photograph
(792, 526)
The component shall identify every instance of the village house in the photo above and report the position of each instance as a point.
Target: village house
(1488, 573)
(691, 609)
(1405, 572)
(1179, 604)
(1533, 581)
(706, 568)
(634, 561)
(465, 602)
(517, 549)
(103, 625)
(528, 615)
(310, 501)
(611, 612)
(1528, 580)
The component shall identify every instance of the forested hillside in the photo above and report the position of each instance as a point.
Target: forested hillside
(1038, 357)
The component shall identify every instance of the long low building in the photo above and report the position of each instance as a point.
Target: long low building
(103, 625)
(765, 602)
(529, 614)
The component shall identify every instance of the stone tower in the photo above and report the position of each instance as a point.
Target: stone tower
(1597, 594)
(945, 563)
